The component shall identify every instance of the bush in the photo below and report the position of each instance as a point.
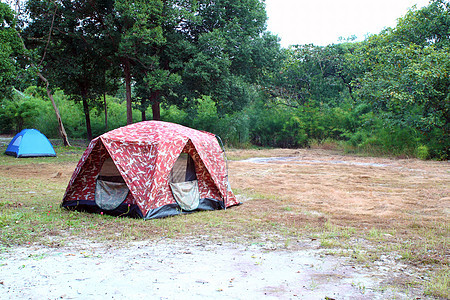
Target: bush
(422, 152)
(19, 113)
(355, 127)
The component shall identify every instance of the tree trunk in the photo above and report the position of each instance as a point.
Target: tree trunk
(349, 87)
(62, 131)
(87, 117)
(144, 117)
(350, 90)
(156, 109)
(127, 73)
(106, 111)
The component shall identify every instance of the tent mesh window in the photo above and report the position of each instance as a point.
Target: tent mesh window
(183, 182)
(17, 141)
(109, 172)
(110, 188)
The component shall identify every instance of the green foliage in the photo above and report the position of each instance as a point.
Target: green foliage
(213, 67)
(387, 95)
(423, 152)
(276, 127)
(33, 110)
(224, 51)
(233, 129)
(170, 52)
(427, 26)
(261, 125)
(10, 48)
(314, 75)
(19, 114)
(406, 78)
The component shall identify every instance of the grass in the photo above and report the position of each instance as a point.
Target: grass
(64, 155)
(30, 214)
(439, 285)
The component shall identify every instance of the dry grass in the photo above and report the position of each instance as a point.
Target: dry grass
(361, 207)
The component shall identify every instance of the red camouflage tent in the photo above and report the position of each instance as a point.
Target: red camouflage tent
(135, 171)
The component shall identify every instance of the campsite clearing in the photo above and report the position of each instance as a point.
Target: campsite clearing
(386, 219)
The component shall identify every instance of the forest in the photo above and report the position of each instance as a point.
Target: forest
(76, 69)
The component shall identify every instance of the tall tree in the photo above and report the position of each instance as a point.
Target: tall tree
(226, 36)
(67, 59)
(407, 80)
(12, 43)
(216, 48)
(172, 51)
(92, 36)
(10, 51)
(315, 75)
(425, 27)
(136, 34)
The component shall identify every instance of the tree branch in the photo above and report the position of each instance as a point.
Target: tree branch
(49, 35)
(61, 129)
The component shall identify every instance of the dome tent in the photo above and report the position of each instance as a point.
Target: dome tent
(150, 169)
(30, 143)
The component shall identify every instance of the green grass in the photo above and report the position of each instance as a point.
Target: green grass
(63, 155)
(439, 285)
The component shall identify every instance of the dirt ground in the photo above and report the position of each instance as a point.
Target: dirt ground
(351, 190)
(188, 269)
(361, 192)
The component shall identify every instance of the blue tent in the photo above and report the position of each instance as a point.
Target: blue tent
(30, 143)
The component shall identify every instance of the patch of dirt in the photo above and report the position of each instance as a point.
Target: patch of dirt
(350, 190)
(56, 173)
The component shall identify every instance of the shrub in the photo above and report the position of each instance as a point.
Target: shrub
(422, 152)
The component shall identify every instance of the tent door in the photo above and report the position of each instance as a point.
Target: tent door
(110, 188)
(183, 183)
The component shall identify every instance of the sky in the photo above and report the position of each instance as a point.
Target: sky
(322, 22)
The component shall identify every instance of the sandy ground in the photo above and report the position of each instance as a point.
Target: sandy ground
(348, 190)
(189, 269)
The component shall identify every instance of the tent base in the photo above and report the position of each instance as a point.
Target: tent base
(11, 153)
(205, 204)
(89, 206)
(174, 209)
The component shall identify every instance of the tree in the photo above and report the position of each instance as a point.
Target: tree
(314, 76)
(18, 112)
(226, 38)
(151, 87)
(137, 38)
(66, 59)
(407, 80)
(171, 51)
(10, 49)
(13, 51)
(218, 49)
(92, 37)
(425, 27)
